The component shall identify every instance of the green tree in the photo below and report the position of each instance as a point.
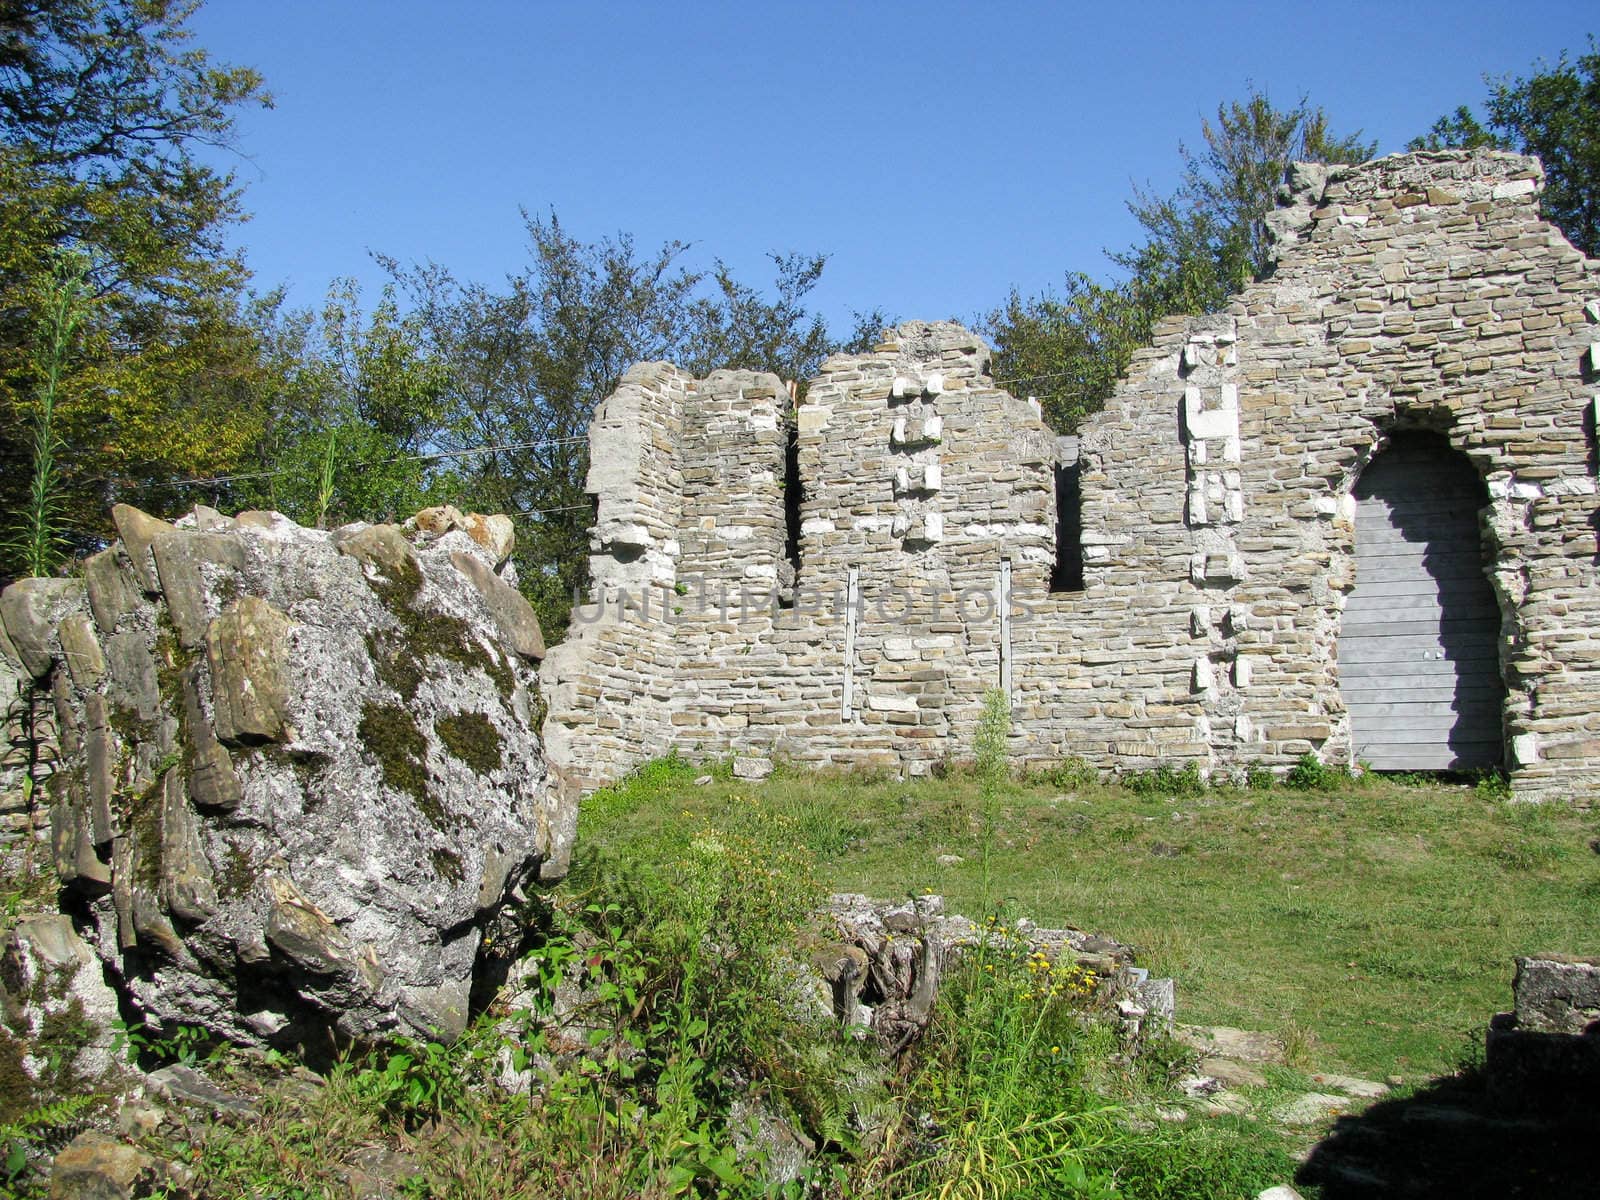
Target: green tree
(1069, 348)
(104, 107)
(1202, 244)
(1555, 114)
(352, 419)
(525, 365)
(1210, 238)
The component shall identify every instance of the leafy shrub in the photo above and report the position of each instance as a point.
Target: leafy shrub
(1311, 774)
(1167, 780)
(1071, 773)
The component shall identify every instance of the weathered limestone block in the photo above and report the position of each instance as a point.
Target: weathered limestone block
(32, 609)
(1558, 994)
(511, 610)
(213, 783)
(51, 979)
(84, 658)
(96, 1167)
(496, 534)
(187, 888)
(137, 532)
(383, 546)
(182, 560)
(304, 932)
(302, 776)
(248, 649)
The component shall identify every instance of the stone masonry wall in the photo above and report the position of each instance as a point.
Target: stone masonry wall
(1420, 291)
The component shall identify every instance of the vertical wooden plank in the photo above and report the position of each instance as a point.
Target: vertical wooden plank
(851, 604)
(1003, 604)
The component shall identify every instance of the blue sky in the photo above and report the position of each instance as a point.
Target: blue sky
(939, 153)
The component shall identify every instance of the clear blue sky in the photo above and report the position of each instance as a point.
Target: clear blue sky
(938, 152)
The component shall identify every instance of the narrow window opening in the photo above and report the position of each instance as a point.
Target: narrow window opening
(1068, 573)
(793, 497)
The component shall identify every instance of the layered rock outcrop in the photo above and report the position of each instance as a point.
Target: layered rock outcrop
(299, 771)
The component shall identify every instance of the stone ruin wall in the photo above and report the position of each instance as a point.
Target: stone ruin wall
(1420, 291)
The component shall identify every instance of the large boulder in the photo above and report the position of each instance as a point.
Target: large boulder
(299, 774)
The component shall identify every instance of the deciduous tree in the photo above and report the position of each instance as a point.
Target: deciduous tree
(1554, 113)
(1202, 243)
(105, 106)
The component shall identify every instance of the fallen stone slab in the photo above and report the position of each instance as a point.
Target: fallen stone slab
(1364, 1089)
(1222, 1041)
(1310, 1108)
(179, 1084)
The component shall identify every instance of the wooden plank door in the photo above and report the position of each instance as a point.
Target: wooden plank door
(1418, 653)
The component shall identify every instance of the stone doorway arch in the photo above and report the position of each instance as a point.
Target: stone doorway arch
(1418, 649)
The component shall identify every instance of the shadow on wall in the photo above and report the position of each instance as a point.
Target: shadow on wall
(1419, 644)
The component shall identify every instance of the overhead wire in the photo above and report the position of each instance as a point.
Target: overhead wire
(435, 456)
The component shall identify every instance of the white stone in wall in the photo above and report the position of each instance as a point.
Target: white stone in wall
(815, 525)
(1513, 188)
(932, 477)
(1525, 749)
(934, 384)
(812, 417)
(882, 703)
(933, 527)
(1243, 665)
(1572, 485)
(933, 429)
(627, 536)
(1215, 423)
(1203, 678)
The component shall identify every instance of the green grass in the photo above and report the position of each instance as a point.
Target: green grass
(1375, 923)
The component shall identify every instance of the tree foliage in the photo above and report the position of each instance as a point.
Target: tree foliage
(349, 425)
(1555, 114)
(1202, 244)
(513, 375)
(104, 105)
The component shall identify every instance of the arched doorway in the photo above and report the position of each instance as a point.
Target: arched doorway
(1419, 664)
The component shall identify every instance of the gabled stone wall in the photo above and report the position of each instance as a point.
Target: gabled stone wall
(1421, 291)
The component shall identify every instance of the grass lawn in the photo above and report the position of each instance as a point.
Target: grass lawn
(1372, 925)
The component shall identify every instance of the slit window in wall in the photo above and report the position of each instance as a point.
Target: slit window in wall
(793, 497)
(1067, 575)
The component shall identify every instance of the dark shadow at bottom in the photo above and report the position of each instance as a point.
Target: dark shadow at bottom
(1448, 1140)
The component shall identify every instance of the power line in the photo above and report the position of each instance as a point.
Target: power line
(437, 456)
(1035, 378)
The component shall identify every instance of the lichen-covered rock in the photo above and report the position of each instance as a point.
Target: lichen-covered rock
(57, 1015)
(96, 1167)
(299, 770)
